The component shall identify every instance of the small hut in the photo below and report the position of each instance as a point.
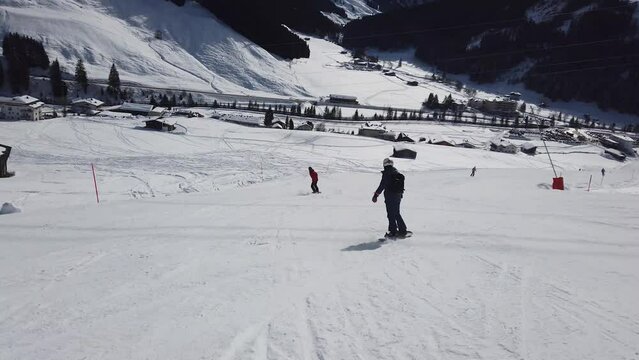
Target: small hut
(503, 146)
(404, 152)
(307, 126)
(161, 124)
(529, 148)
(376, 130)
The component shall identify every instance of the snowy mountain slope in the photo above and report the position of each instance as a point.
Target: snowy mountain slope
(196, 52)
(356, 8)
(499, 267)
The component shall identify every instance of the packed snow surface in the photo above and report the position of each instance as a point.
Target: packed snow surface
(210, 245)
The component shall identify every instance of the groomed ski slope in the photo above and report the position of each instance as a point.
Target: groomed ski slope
(209, 245)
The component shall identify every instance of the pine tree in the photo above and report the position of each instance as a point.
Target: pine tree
(448, 102)
(190, 101)
(114, 81)
(268, 117)
(58, 87)
(81, 76)
(429, 102)
(173, 101)
(356, 115)
(1, 74)
(164, 101)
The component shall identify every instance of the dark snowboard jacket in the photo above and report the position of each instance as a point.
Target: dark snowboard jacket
(384, 184)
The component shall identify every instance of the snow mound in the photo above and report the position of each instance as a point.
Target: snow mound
(8, 208)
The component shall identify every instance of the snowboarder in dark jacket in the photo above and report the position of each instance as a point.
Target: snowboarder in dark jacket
(314, 179)
(393, 192)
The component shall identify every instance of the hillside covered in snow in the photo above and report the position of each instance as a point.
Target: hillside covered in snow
(195, 50)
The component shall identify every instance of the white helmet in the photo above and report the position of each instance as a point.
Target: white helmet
(388, 162)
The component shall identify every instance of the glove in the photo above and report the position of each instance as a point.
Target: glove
(375, 197)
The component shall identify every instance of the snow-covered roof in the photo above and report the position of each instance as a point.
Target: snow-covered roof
(528, 146)
(18, 100)
(36, 105)
(620, 137)
(501, 99)
(159, 109)
(343, 97)
(135, 107)
(89, 101)
(501, 142)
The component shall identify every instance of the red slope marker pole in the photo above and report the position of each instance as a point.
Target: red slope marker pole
(95, 184)
(589, 181)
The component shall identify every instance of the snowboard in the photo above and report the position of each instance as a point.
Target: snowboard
(385, 238)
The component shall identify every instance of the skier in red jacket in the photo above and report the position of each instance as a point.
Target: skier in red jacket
(314, 179)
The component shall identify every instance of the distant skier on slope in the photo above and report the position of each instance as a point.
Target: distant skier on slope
(392, 184)
(473, 171)
(603, 172)
(314, 179)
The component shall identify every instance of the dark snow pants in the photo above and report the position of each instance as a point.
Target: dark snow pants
(314, 187)
(395, 222)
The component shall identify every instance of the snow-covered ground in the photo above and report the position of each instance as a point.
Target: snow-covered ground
(209, 245)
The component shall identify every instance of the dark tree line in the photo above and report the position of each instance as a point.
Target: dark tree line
(588, 51)
(433, 102)
(22, 53)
